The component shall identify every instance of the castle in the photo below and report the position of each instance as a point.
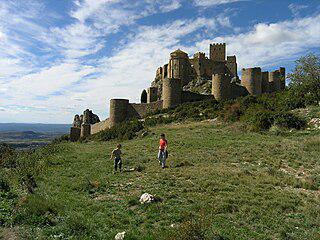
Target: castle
(169, 88)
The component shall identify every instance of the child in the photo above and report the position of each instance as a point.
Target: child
(116, 153)
(162, 155)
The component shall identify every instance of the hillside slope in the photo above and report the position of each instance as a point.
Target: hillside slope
(225, 184)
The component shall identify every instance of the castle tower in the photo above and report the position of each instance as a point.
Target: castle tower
(85, 130)
(221, 86)
(282, 71)
(171, 92)
(274, 79)
(165, 71)
(179, 66)
(232, 65)
(75, 133)
(251, 80)
(118, 111)
(265, 82)
(152, 94)
(218, 52)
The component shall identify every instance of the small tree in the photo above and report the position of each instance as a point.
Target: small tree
(144, 96)
(305, 79)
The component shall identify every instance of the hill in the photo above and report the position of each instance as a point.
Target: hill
(35, 127)
(224, 184)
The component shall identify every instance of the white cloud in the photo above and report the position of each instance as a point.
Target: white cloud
(207, 3)
(296, 8)
(269, 44)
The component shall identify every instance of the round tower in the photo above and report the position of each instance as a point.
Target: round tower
(171, 92)
(221, 86)
(118, 111)
(252, 80)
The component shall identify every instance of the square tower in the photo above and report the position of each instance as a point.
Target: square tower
(218, 52)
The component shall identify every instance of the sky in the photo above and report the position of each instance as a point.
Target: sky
(60, 57)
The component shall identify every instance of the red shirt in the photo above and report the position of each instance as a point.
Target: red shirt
(163, 144)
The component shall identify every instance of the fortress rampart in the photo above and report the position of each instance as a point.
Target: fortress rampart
(172, 78)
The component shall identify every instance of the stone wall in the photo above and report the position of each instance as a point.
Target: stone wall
(136, 110)
(98, 127)
(251, 80)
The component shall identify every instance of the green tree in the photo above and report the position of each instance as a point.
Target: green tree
(305, 79)
(144, 96)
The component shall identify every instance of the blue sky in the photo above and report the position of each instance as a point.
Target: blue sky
(59, 57)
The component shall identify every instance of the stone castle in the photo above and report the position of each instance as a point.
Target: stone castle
(171, 87)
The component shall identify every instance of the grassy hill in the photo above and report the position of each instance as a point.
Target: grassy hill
(224, 184)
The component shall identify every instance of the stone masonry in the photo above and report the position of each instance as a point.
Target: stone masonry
(169, 88)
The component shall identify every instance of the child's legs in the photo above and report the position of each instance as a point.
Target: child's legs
(120, 164)
(116, 163)
(163, 160)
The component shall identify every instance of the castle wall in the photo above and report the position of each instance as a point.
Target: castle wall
(265, 82)
(152, 94)
(193, 97)
(202, 65)
(171, 92)
(136, 110)
(275, 77)
(251, 80)
(85, 130)
(218, 52)
(118, 111)
(98, 127)
(282, 71)
(75, 133)
(232, 65)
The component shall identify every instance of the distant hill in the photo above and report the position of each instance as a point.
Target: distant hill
(34, 127)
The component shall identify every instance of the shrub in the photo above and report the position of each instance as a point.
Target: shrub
(258, 118)
(289, 120)
(63, 138)
(37, 210)
(231, 112)
(7, 156)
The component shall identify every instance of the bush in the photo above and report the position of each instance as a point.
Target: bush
(231, 112)
(123, 131)
(63, 138)
(258, 118)
(37, 210)
(7, 156)
(289, 120)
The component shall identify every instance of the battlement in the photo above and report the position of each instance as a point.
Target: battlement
(218, 52)
(199, 55)
(218, 44)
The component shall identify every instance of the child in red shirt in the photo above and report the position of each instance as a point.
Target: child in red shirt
(162, 155)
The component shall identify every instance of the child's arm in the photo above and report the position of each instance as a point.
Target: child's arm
(111, 155)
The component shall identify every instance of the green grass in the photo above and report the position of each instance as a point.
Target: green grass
(226, 184)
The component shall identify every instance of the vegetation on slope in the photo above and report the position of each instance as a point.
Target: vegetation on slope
(225, 184)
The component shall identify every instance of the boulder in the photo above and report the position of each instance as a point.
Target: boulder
(146, 198)
(120, 236)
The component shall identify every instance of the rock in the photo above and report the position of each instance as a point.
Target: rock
(120, 236)
(146, 198)
(144, 134)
